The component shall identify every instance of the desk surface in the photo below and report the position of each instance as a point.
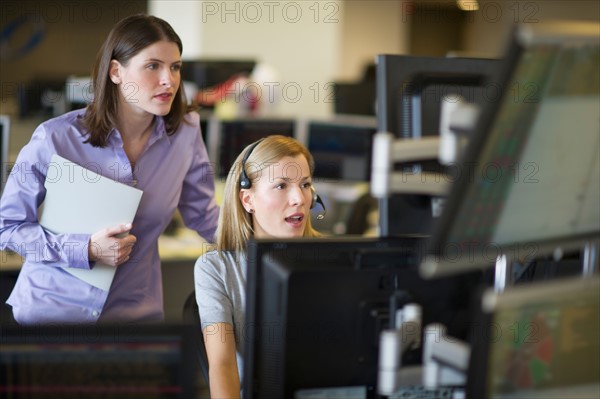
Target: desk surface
(10, 261)
(185, 245)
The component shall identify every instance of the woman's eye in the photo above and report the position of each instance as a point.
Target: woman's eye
(280, 186)
(152, 66)
(176, 67)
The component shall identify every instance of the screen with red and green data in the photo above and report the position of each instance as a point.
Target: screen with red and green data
(547, 348)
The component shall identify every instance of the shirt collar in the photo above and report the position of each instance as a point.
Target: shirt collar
(159, 131)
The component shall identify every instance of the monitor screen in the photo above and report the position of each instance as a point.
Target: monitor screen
(4, 149)
(529, 184)
(410, 93)
(538, 340)
(236, 134)
(342, 150)
(315, 308)
(94, 361)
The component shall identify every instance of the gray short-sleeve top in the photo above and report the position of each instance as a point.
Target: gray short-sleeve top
(220, 283)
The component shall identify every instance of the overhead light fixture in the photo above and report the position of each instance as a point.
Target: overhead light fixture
(468, 5)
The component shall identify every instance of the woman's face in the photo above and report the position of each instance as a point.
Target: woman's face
(280, 198)
(148, 83)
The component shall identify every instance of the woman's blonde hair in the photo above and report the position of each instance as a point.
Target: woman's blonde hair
(235, 224)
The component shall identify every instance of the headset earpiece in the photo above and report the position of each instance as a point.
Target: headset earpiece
(245, 181)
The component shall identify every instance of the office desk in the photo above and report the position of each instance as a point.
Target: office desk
(10, 264)
(178, 255)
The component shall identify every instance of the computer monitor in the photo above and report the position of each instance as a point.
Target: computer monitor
(315, 308)
(4, 149)
(98, 361)
(537, 340)
(356, 98)
(410, 90)
(342, 148)
(208, 73)
(529, 183)
(235, 135)
(410, 94)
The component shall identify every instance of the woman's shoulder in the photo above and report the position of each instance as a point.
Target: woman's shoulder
(215, 266)
(188, 131)
(53, 135)
(70, 122)
(214, 259)
(192, 117)
(68, 118)
(191, 120)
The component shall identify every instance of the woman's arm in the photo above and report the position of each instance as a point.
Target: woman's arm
(219, 340)
(197, 204)
(23, 194)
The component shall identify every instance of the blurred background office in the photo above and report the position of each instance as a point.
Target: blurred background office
(312, 63)
(311, 44)
(307, 59)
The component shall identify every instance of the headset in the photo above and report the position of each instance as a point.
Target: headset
(245, 182)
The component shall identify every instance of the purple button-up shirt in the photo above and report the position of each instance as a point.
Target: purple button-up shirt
(174, 172)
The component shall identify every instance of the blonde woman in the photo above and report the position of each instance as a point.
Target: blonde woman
(268, 193)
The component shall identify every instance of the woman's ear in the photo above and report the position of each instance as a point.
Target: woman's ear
(115, 72)
(247, 200)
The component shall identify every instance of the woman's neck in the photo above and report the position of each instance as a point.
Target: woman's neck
(135, 136)
(136, 130)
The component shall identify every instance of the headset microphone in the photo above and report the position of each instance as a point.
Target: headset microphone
(317, 200)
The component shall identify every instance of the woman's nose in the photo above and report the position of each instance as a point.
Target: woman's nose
(167, 78)
(297, 196)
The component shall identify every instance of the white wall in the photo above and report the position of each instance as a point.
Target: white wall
(369, 28)
(300, 39)
(183, 16)
(312, 43)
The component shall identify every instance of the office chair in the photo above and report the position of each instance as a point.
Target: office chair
(192, 316)
(358, 218)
